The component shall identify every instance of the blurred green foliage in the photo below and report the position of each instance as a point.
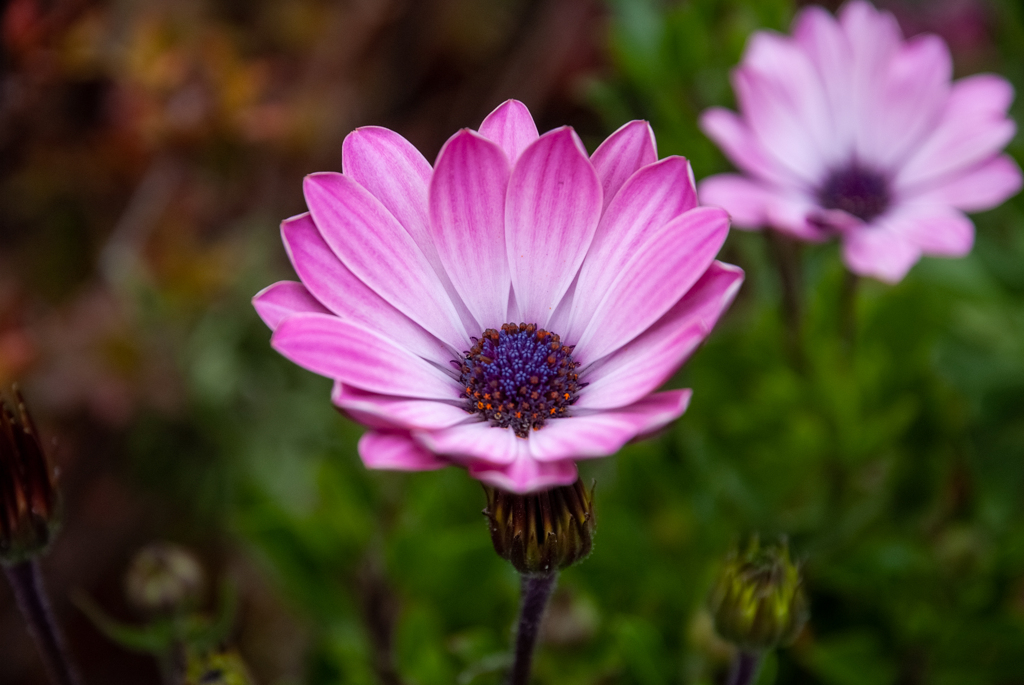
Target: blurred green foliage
(893, 460)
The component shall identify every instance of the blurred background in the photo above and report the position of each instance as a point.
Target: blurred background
(148, 151)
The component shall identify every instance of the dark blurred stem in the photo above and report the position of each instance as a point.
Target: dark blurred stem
(745, 666)
(785, 253)
(848, 311)
(174, 664)
(536, 591)
(27, 583)
(380, 613)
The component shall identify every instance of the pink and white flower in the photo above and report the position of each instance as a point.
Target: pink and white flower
(846, 130)
(413, 280)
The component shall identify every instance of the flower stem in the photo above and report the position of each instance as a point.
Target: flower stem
(848, 311)
(745, 666)
(536, 591)
(27, 582)
(785, 253)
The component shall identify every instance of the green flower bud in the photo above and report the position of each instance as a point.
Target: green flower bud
(542, 532)
(164, 578)
(28, 495)
(758, 601)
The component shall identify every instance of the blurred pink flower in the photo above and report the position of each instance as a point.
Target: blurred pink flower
(847, 130)
(412, 275)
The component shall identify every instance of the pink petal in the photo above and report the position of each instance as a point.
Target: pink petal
(348, 297)
(477, 441)
(643, 365)
(604, 433)
(755, 205)
(936, 229)
(277, 302)
(973, 128)
(729, 132)
(651, 198)
(655, 278)
(983, 187)
(784, 103)
(511, 126)
(554, 203)
(907, 102)
(397, 412)
(525, 474)
(396, 452)
(818, 34)
(344, 351)
(375, 247)
(631, 147)
(467, 213)
(395, 172)
(879, 252)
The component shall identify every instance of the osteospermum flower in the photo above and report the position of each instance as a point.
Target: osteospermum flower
(846, 130)
(510, 310)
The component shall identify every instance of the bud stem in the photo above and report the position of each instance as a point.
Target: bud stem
(29, 592)
(745, 666)
(536, 591)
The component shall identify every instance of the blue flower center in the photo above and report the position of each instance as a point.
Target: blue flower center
(519, 377)
(857, 191)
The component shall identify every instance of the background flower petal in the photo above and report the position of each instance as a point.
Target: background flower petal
(986, 185)
(880, 253)
(973, 128)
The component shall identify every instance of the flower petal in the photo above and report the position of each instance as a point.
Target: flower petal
(554, 203)
(973, 128)
(367, 238)
(604, 433)
(332, 283)
(651, 198)
(396, 452)
(358, 356)
(641, 366)
(467, 223)
(277, 302)
(782, 100)
(525, 474)
(630, 148)
(397, 412)
(656, 277)
(983, 187)
(936, 229)
(879, 252)
(395, 172)
(907, 101)
(732, 134)
(476, 441)
(819, 35)
(511, 126)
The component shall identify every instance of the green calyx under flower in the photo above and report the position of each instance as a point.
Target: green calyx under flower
(542, 532)
(28, 496)
(758, 601)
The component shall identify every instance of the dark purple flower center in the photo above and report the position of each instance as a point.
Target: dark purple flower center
(519, 377)
(857, 191)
